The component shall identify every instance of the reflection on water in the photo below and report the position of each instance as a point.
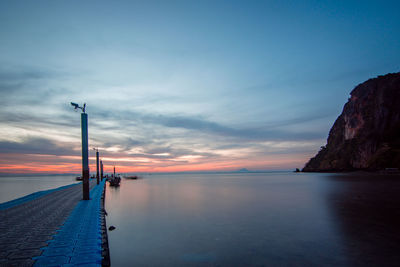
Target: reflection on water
(12, 187)
(269, 219)
(367, 209)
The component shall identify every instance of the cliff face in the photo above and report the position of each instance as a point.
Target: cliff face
(367, 133)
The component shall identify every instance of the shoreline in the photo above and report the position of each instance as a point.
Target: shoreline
(380, 172)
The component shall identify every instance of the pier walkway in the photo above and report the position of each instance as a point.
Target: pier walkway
(50, 229)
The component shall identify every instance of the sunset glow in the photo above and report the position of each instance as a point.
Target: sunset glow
(182, 86)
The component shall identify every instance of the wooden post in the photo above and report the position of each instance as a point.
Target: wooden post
(85, 156)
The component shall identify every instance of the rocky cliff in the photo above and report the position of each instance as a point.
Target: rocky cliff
(367, 134)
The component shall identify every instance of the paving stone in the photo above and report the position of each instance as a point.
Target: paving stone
(3, 254)
(8, 246)
(18, 263)
(52, 261)
(27, 227)
(32, 245)
(64, 251)
(6, 241)
(39, 238)
(76, 235)
(25, 254)
(82, 265)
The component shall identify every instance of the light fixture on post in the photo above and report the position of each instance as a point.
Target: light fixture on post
(85, 151)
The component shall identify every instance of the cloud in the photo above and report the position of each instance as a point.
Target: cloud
(37, 105)
(202, 126)
(22, 75)
(23, 118)
(21, 86)
(37, 146)
(18, 78)
(270, 131)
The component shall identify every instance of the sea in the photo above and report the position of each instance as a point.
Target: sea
(248, 219)
(16, 186)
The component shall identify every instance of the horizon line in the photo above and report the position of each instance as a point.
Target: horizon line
(2, 174)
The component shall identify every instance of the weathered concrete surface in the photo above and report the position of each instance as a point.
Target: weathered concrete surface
(25, 228)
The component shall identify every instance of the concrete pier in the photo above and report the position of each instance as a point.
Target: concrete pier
(53, 228)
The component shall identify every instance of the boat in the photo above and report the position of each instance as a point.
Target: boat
(115, 180)
(79, 178)
(133, 177)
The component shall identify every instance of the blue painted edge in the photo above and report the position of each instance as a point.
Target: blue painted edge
(30, 197)
(79, 240)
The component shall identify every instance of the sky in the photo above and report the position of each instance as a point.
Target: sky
(183, 85)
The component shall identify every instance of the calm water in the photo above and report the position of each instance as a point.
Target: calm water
(12, 187)
(272, 219)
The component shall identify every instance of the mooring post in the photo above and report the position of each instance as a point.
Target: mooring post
(97, 166)
(85, 156)
(101, 169)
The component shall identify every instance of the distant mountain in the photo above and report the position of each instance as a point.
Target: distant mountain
(367, 133)
(243, 170)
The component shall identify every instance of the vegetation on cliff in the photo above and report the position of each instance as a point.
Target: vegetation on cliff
(366, 136)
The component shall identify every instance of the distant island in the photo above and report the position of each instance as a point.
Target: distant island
(243, 170)
(366, 136)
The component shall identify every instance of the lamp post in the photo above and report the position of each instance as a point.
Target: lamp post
(85, 151)
(101, 169)
(97, 165)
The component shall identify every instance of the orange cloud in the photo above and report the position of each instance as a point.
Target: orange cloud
(36, 163)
